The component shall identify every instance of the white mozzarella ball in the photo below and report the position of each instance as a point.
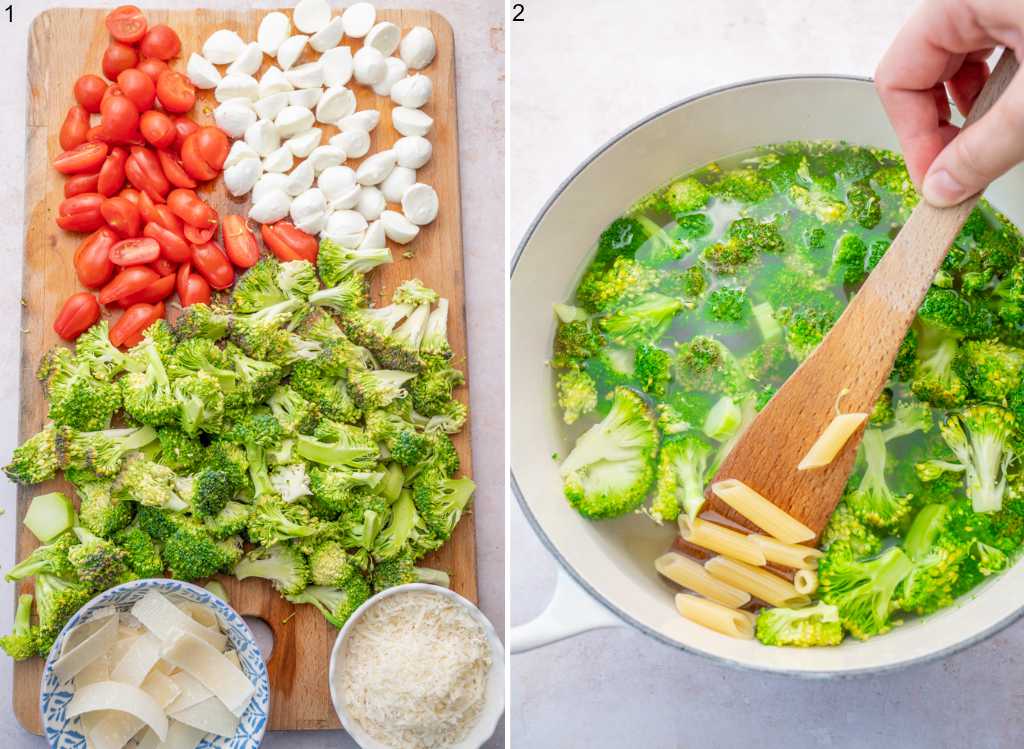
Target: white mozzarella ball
(385, 36)
(263, 137)
(234, 117)
(240, 151)
(202, 72)
(337, 64)
(419, 204)
(335, 181)
(278, 160)
(355, 143)
(249, 61)
(358, 19)
(311, 15)
(273, 81)
(274, 29)
(346, 227)
(413, 151)
(290, 50)
(302, 145)
(400, 180)
(365, 120)
(306, 98)
(293, 120)
(310, 75)
(222, 47)
(268, 183)
(270, 107)
(395, 72)
(328, 37)
(300, 178)
(398, 228)
(411, 121)
(240, 178)
(308, 205)
(336, 103)
(374, 239)
(371, 203)
(375, 168)
(326, 156)
(271, 207)
(368, 66)
(237, 86)
(412, 92)
(314, 225)
(418, 47)
(346, 200)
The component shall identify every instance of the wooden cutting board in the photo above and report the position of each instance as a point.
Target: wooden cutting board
(67, 42)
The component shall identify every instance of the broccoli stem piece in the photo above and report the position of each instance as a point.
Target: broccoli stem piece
(50, 515)
(22, 642)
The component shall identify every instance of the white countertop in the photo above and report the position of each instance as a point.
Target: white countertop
(479, 40)
(582, 70)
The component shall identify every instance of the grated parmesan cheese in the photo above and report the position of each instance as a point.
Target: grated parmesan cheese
(415, 671)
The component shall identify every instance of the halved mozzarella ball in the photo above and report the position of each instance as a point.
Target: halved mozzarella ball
(336, 103)
(355, 143)
(237, 86)
(375, 238)
(358, 19)
(290, 50)
(337, 64)
(412, 92)
(328, 37)
(262, 137)
(368, 66)
(240, 151)
(395, 71)
(302, 145)
(419, 204)
(326, 156)
(385, 36)
(310, 75)
(274, 29)
(411, 121)
(248, 61)
(400, 180)
(413, 151)
(371, 203)
(293, 120)
(335, 181)
(418, 47)
(398, 228)
(273, 81)
(202, 72)
(223, 46)
(308, 205)
(365, 120)
(278, 160)
(300, 178)
(240, 178)
(270, 107)
(376, 168)
(268, 183)
(307, 98)
(234, 116)
(271, 207)
(311, 15)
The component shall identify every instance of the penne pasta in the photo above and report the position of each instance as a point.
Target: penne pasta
(761, 512)
(831, 441)
(762, 584)
(690, 574)
(794, 556)
(731, 622)
(721, 539)
(805, 582)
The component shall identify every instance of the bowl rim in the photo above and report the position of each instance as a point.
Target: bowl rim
(206, 598)
(497, 660)
(517, 491)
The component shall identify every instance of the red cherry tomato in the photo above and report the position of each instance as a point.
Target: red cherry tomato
(112, 90)
(83, 159)
(95, 134)
(163, 266)
(185, 127)
(195, 290)
(81, 212)
(187, 206)
(174, 171)
(119, 117)
(123, 217)
(128, 281)
(162, 215)
(155, 292)
(126, 24)
(143, 171)
(288, 243)
(128, 329)
(172, 245)
(138, 87)
(240, 243)
(80, 312)
(132, 195)
(204, 151)
(199, 236)
(213, 265)
(118, 57)
(89, 90)
(147, 208)
(158, 129)
(74, 129)
(111, 178)
(80, 183)
(137, 251)
(160, 42)
(175, 92)
(92, 258)
(152, 67)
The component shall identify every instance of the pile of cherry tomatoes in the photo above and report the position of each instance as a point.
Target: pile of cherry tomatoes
(131, 180)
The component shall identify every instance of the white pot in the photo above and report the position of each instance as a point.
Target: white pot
(613, 560)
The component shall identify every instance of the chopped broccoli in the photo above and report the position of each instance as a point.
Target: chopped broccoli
(686, 195)
(48, 559)
(336, 604)
(604, 288)
(100, 511)
(57, 600)
(577, 395)
(98, 562)
(873, 501)
(682, 468)
(992, 370)
(865, 205)
(143, 555)
(441, 501)
(335, 262)
(402, 570)
(281, 564)
(845, 528)
(727, 304)
(23, 641)
(864, 591)
(982, 438)
(812, 626)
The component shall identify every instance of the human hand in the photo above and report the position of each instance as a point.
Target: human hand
(944, 47)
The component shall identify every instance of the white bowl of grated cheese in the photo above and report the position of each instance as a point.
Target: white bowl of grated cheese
(418, 667)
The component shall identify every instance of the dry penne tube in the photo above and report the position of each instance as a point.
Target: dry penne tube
(831, 441)
(721, 539)
(805, 582)
(731, 622)
(759, 583)
(692, 575)
(761, 512)
(794, 556)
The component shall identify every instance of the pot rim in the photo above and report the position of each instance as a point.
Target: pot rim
(572, 572)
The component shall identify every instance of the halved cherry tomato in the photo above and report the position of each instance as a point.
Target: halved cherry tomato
(289, 243)
(112, 172)
(175, 92)
(191, 209)
(118, 57)
(81, 212)
(204, 151)
(199, 236)
(161, 42)
(147, 208)
(80, 312)
(95, 134)
(239, 242)
(83, 159)
(119, 117)
(172, 245)
(138, 87)
(213, 265)
(158, 129)
(194, 291)
(138, 251)
(92, 258)
(155, 292)
(132, 195)
(89, 90)
(123, 217)
(152, 67)
(128, 281)
(76, 125)
(126, 24)
(128, 329)
(80, 183)
(163, 266)
(143, 170)
(184, 271)
(185, 126)
(162, 215)
(174, 171)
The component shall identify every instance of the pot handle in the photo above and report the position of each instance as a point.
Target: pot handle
(571, 611)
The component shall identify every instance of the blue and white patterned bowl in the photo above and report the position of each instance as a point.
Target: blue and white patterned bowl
(63, 733)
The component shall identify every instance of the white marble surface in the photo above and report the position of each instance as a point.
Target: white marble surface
(582, 70)
(479, 39)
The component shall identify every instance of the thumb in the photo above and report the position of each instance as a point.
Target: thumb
(980, 153)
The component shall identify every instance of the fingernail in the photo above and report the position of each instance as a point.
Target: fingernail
(942, 189)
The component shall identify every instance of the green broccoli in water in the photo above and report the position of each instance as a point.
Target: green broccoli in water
(336, 604)
(703, 363)
(846, 529)
(604, 288)
(23, 641)
(818, 202)
(873, 501)
(575, 342)
(727, 304)
(804, 328)
(611, 467)
(864, 591)
(882, 412)
(281, 564)
(682, 469)
(945, 311)
(983, 439)
(906, 358)
(936, 558)
(811, 626)
(743, 185)
(934, 378)
(621, 239)
(692, 226)
(992, 370)
(865, 205)
(743, 243)
(849, 260)
(577, 394)
(652, 368)
(686, 195)
(659, 248)
(645, 318)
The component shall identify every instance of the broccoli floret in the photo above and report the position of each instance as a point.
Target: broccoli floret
(191, 553)
(290, 482)
(331, 565)
(202, 356)
(103, 453)
(651, 368)
(273, 521)
(906, 358)
(692, 226)
(405, 445)
(49, 559)
(348, 296)
(327, 394)
(335, 262)
(147, 394)
(404, 531)
(741, 185)
(945, 311)
(100, 511)
(812, 626)
(257, 288)
(350, 447)
(604, 288)
(805, 327)
(97, 562)
(441, 501)
(377, 388)
(143, 555)
(865, 205)
(704, 363)
(57, 600)
(202, 321)
(230, 521)
(211, 491)
(94, 349)
(864, 591)
(682, 468)
(575, 342)
(849, 260)
(149, 483)
(336, 604)
(727, 304)
(882, 412)
(23, 641)
(577, 395)
(402, 570)
(936, 559)
(817, 202)
(293, 412)
(281, 564)
(934, 379)
(908, 418)
(686, 195)
(431, 390)
(991, 369)
(622, 238)
(982, 437)
(179, 451)
(362, 521)
(201, 403)
(36, 459)
(297, 279)
(76, 398)
(845, 529)
(873, 501)
(659, 248)
(335, 490)
(611, 467)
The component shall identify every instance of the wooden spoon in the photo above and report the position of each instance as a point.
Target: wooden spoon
(857, 356)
